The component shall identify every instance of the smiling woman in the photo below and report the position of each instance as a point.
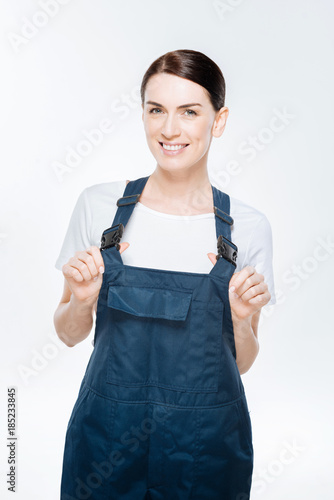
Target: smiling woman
(192, 112)
(176, 286)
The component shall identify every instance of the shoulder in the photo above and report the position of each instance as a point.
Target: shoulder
(251, 230)
(252, 234)
(242, 210)
(103, 193)
(105, 189)
(247, 217)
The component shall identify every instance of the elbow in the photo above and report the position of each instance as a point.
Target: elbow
(244, 369)
(65, 341)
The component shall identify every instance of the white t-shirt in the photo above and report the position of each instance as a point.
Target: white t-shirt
(163, 241)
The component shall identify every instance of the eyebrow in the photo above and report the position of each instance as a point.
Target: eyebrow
(179, 107)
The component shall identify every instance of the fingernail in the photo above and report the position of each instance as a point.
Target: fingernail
(231, 289)
(95, 278)
(101, 270)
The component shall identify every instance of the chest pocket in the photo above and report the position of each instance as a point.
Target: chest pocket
(164, 338)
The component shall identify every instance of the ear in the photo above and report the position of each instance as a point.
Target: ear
(220, 122)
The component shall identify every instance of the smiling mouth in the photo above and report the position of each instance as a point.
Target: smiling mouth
(174, 147)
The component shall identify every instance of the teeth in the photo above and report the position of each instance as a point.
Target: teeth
(173, 148)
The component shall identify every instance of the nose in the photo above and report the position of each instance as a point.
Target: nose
(171, 126)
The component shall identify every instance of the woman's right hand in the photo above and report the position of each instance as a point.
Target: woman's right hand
(83, 273)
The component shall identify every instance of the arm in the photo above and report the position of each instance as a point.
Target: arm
(246, 341)
(248, 294)
(73, 319)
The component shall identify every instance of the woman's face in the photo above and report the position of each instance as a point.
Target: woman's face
(178, 112)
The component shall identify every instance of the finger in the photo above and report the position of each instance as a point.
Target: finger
(261, 299)
(254, 291)
(234, 277)
(78, 269)
(250, 282)
(95, 252)
(87, 258)
(71, 272)
(242, 276)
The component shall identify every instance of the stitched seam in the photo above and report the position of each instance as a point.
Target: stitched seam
(163, 403)
(186, 292)
(152, 269)
(197, 454)
(152, 288)
(246, 427)
(155, 383)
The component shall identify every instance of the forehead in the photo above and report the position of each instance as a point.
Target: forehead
(171, 89)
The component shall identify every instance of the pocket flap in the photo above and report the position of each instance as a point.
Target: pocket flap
(150, 302)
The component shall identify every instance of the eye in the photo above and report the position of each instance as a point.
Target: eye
(191, 111)
(154, 109)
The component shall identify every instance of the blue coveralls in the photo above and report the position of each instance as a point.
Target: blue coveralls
(161, 412)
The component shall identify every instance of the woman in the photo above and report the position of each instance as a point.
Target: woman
(161, 412)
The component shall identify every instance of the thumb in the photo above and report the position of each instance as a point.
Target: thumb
(212, 257)
(123, 246)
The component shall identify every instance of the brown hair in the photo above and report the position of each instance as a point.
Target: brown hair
(194, 66)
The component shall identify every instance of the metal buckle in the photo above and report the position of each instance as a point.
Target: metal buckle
(112, 236)
(227, 249)
(130, 202)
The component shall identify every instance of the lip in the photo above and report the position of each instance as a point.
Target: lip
(172, 153)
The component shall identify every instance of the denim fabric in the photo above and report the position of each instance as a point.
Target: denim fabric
(161, 412)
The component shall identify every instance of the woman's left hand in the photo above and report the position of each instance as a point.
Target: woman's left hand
(248, 291)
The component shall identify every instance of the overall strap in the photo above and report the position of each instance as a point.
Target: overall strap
(127, 202)
(133, 190)
(224, 221)
(221, 208)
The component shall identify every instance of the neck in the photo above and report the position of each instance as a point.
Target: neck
(180, 190)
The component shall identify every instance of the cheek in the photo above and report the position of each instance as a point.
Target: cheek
(151, 128)
(201, 132)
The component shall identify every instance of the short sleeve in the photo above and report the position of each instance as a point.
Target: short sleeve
(77, 235)
(260, 254)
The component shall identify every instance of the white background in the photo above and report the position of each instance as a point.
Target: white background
(79, 68)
